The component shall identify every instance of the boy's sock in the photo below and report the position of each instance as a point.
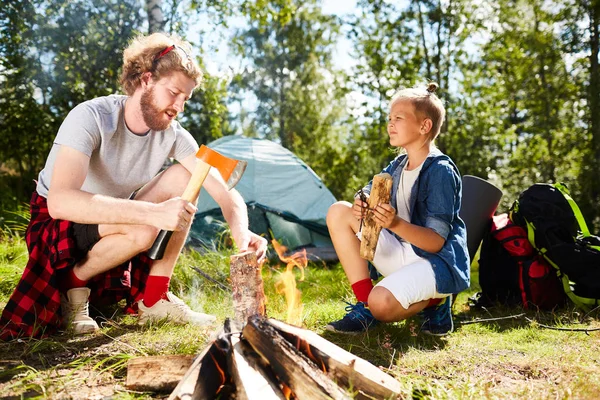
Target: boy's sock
(156, 289)
(362, 289)
(434, 302)
(71, 281)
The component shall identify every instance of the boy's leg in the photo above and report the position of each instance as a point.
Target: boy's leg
(409, 291)
(343, 227)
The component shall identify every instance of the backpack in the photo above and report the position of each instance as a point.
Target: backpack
(511, 272)
(556, 228)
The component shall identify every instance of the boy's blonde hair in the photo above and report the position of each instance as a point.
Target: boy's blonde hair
(160, 54)
(427, 105)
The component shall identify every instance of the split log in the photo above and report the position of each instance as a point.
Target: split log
(348, 370)
(187, 385)
(247, 285)
(156, 373)
(295, 370)
(251, 375)
(380, 194)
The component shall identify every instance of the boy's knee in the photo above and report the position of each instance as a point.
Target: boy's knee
(383, 305)
(338, 212)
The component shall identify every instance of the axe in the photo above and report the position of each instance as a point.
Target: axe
(231, 171)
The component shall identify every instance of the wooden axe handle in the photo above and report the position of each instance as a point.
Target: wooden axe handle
(190, 193)
(197, 179)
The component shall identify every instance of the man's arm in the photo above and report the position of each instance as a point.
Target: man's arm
(67, 201)
(233, 208)
(230, 201)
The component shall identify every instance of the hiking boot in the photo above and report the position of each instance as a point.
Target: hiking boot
(438, 319)
(75, 311)
(358, 319)
(174, 310)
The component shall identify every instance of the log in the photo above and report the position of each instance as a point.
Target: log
(348, 370)
(187, 385)
(156, 373)
(380, 194)
(251, 376)
(247, 286)
(296, 371)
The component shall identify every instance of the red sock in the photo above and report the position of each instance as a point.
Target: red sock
(156, 289)
(434, 302)
(362, 289)
(71, 281)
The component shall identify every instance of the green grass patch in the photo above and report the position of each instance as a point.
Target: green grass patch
(506, 358)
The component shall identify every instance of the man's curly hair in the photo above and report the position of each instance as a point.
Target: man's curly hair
(141, 57)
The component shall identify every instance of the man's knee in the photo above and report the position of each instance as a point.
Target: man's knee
(176, 178)
(338, 212)
(142, 237)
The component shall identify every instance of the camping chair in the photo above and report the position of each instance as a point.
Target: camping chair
(479, 202)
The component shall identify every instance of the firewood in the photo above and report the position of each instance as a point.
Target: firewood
(156, 373)
(295, 370)
(186, 386)
(251, 375)
(247, 285)
(346, 369)
(380, 194)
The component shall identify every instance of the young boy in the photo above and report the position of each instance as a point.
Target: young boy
(422, 252)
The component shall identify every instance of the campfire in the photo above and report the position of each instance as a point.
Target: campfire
(269, 359)
(256, 357)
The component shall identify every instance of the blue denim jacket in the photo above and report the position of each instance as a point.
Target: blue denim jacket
(435, 203)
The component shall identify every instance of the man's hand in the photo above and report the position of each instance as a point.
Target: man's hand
(175, 214)
(253, 242)
(384, 215)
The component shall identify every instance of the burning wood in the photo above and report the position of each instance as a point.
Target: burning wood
(380, 193)
(270, 359)
(247, 285)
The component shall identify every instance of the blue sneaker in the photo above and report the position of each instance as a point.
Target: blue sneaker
(358, 319)
(438, 319)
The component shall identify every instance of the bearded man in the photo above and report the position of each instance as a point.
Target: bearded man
(101, 200)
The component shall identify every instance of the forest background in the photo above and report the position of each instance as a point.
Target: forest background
(520, 80)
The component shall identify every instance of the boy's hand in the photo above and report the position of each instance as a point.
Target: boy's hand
(384, 215)
(359, 208)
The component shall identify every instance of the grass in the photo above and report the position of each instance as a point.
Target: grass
(507, 358)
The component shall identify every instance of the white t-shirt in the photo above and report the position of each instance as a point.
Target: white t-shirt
(120, 161)
(403, 195)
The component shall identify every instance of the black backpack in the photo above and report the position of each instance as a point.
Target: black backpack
(512, 273)
(557, 229)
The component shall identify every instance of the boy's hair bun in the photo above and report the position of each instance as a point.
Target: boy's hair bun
(432, 87)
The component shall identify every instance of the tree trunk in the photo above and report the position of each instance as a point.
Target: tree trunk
(156, 19)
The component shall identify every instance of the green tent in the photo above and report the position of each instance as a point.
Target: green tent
(286, 200)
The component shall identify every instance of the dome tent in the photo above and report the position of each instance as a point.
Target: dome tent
(286, 200)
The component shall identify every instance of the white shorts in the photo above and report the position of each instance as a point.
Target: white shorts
(407, 276)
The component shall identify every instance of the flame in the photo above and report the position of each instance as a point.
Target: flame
(287, 282)
(286, 391)
(221, 372)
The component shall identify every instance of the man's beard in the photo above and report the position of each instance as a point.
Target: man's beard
(154, 117)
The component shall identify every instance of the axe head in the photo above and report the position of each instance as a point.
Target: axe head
(230, 170)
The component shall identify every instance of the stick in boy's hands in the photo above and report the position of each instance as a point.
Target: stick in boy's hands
(380, 194)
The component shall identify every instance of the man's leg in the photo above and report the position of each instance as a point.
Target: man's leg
(119, 242)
